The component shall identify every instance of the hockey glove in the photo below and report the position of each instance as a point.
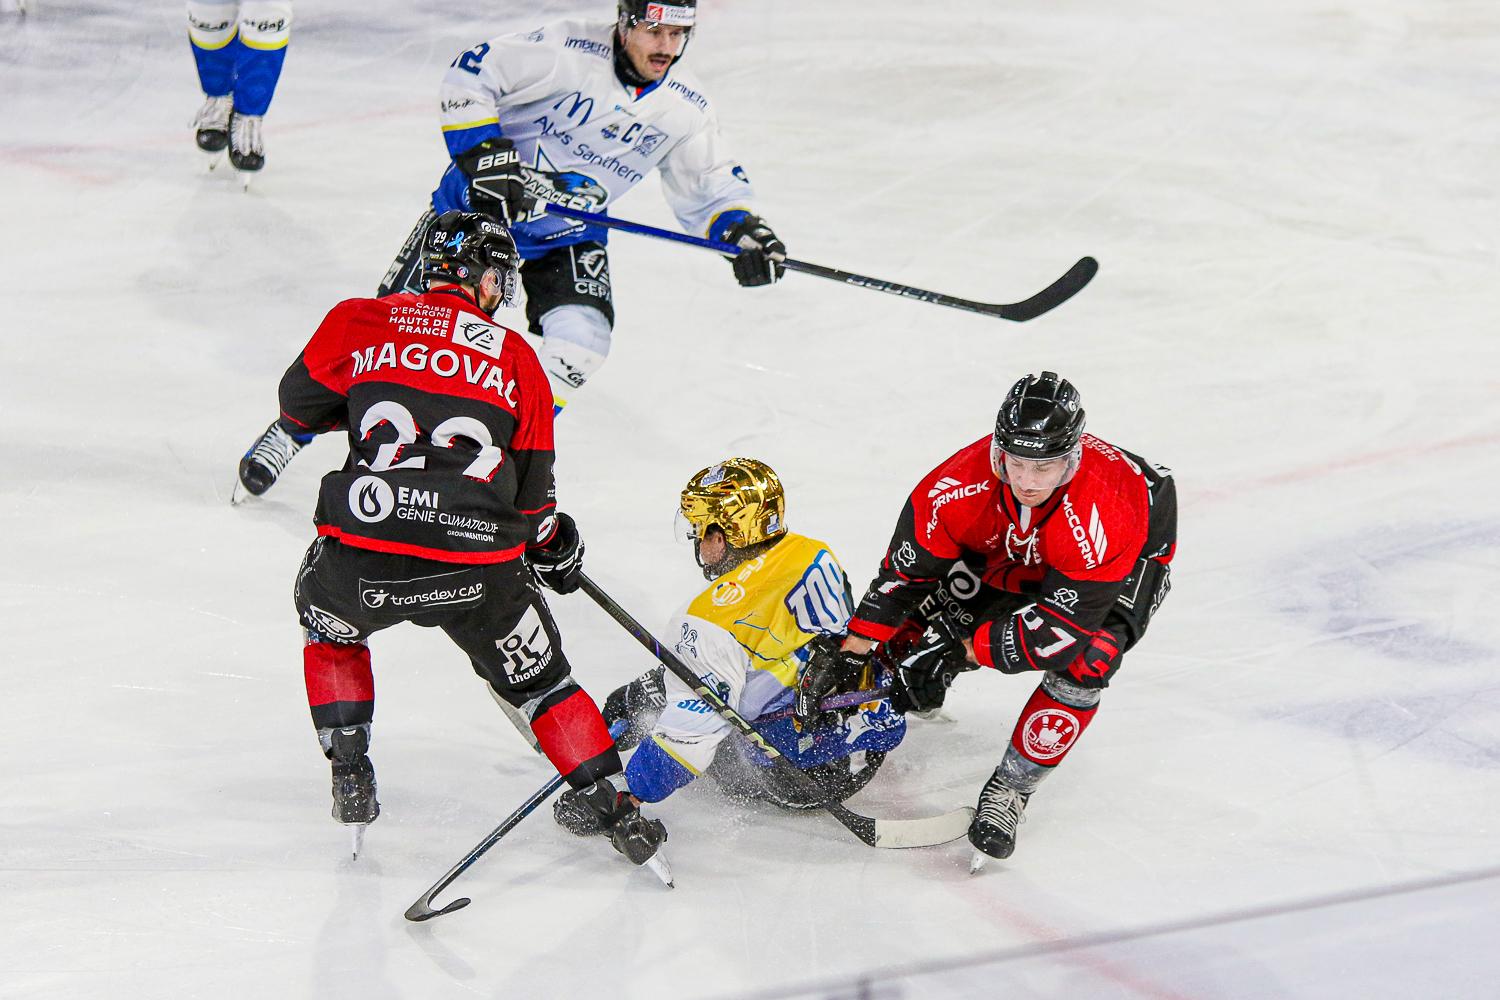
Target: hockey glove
(827, 667)
(927, 670)
(557, 563)
(1093, 667)
(761, 251)
(496, 184)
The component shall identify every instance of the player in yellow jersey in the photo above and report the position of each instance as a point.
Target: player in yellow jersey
(775, 600)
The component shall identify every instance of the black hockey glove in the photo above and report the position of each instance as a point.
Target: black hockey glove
(1101, 658)
(927, 670)
(496, 184)
(761, 252)
(827, 667)
(557, 563)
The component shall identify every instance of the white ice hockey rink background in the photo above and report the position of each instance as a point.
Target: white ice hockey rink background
(1291, 791)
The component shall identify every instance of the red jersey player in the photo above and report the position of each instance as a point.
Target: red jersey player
(1036, 549)
(446, 501)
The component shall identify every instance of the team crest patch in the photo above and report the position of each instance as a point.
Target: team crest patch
(1047, 734)
(486, 338)
(726, 593)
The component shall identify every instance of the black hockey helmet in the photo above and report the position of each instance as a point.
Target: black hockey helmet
(1041, 418)
(674, 13)
(461, 246)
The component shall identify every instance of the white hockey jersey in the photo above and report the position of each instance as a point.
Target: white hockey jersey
(584, 136)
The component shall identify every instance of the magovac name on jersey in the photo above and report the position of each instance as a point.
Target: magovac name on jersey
(443, 362)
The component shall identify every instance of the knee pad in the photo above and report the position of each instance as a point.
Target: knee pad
(210, 25)
(266, 24)
(575, 342)
(1069, 692)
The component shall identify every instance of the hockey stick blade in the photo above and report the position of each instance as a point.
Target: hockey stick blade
(925, 832)
(1054, 295)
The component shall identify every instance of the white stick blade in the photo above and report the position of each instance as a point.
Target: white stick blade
(929, 832)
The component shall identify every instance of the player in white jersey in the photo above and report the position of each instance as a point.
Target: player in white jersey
(575, 113)
(776, 601)
(578, 113)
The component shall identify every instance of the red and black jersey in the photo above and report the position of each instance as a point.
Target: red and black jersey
(450, 428)
(1074, 554)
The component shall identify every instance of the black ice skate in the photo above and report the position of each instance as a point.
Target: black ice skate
(212, 124)
(246, 153)
(354, 802)
(993, 831)
(600, 808)
(264, 462)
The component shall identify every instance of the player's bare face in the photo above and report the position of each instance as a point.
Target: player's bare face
(651, 48)
(1034, 481)
(712, 548)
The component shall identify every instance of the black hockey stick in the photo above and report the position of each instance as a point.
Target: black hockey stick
(1054, 295)
(927, 832)
(422, 909)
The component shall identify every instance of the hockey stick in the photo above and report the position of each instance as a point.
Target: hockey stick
(1054, 295)
(422, 909)
(927, 832)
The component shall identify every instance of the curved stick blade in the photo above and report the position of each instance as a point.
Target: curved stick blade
(421, 910)
(1054, 295)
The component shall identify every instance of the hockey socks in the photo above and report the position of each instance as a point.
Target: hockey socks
(1054, 717)
(572, 733)
(340, 683)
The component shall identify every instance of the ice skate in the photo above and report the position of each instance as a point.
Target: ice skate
(211, 126)
(246, 152)
(601, 809)
(354, 801)
(993, 830)
(263, 464)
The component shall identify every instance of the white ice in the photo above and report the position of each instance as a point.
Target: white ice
(1290, 791)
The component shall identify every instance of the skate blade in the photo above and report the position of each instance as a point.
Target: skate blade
(659, 867)
(977, 862)
(240, 494)
(356, 839)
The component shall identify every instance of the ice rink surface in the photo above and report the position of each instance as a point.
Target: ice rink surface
(1291, 790)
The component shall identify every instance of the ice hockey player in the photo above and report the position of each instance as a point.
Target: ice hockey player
(578, 113)
(1036, 549)
(441, 516)
(239, 48)
(775, 602)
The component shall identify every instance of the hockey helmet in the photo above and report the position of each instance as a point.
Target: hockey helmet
(461, 246)
(741, 496)
(673, 13)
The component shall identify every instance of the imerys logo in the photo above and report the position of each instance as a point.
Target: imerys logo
(905, 557)
(371, 499)
(1047, 734)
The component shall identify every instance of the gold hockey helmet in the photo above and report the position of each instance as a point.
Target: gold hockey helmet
(743, 496)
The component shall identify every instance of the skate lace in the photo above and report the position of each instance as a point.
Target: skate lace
(1001, 806)
(247, 134)
(214, 114)
(274, 450)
